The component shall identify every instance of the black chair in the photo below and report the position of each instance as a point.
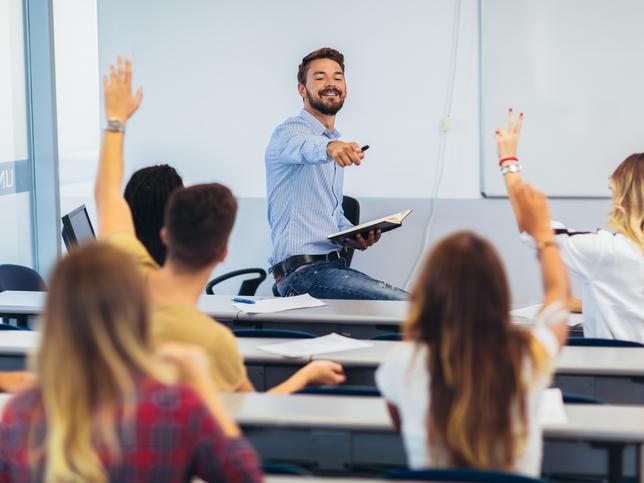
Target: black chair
(11, 327)
(594, 342)
(351, 208)
(284, 469)
(580, 399)
(274, 333)
(248, 287)
(18, 277)
(460, 475)
(388, 336)
(343, 390)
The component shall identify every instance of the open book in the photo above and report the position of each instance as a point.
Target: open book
(383, 224)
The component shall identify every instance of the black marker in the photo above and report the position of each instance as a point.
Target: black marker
(364, 148)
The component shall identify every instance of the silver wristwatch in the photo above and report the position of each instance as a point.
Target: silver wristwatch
(511, 168)
(115, 125)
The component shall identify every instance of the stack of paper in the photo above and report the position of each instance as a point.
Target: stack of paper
(532, 311)
(551, 409)
(319, 345)
(266, 306)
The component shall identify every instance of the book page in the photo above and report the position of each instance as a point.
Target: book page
(266, 306)
(319, 345)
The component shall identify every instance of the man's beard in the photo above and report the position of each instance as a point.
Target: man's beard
(321, 107)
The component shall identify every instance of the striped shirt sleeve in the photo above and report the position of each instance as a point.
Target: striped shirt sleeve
(293, 143)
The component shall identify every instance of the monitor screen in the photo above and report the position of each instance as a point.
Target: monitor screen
(77, 227)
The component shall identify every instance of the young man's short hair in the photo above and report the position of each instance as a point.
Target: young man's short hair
(199, 220)
(323, 53)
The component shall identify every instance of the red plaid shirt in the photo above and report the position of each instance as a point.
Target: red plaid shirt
(172, 438)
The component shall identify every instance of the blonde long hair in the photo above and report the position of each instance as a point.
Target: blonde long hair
(627, 184)
(94, 346)
(477, 416)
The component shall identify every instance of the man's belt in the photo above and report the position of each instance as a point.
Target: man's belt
(286, 267)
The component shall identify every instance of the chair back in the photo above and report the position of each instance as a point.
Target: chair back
(351, 208)
(18, 277)
(248, 287)
(274, 333)
(388, 336)
(343, 390)
(569, 398)
(595, 342)
(460, 475)
(11, 327)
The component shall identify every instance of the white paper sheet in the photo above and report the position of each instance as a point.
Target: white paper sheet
(531, 312)
(320, 345)
(266, 306)
(552, 409)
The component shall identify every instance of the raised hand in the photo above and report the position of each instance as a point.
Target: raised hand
(345, 154)
(534, 210)
(508, 139)
(120, 104)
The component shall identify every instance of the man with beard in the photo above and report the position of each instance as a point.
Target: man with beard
(304, 174)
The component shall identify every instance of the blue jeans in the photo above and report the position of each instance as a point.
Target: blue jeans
(333, 280)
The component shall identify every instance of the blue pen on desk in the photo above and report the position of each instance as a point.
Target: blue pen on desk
(243, 301)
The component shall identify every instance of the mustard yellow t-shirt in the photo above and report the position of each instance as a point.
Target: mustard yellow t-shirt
(186, 324)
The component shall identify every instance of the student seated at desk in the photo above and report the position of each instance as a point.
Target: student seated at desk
(147, 194)
(197, 223)
(104, 407)
(609, 265)
(465, 387)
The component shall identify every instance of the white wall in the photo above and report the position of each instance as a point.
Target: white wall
(218, 77)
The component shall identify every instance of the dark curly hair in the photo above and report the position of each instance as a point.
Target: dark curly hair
(147, 192)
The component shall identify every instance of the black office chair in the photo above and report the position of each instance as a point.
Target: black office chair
(18, 277)
(351, 208)
(460, 475)
(248, 287)
(595, 342)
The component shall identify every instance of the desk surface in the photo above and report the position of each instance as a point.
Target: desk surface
(589, 422)
(608, 361)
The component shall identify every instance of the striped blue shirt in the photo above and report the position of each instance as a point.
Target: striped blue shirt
(304, 189)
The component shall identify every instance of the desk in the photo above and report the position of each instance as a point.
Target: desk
(348, 433)
(611, 374)
(355, 318)
(15, 346)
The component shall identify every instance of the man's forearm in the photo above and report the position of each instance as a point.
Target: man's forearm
(110, 168)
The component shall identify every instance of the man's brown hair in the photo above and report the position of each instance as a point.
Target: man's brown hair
(199, 220)
(323, 53)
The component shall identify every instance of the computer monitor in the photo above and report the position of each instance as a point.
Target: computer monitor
(77, 227)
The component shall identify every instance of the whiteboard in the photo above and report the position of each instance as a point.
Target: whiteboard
(576, 68)
(219, 76)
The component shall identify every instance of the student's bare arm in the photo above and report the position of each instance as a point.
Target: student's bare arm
(507, 141)
(113, 211)
(535, 215)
